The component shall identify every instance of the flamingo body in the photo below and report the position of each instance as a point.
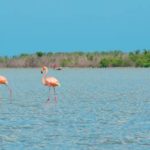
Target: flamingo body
(51, 82)
(3, 80)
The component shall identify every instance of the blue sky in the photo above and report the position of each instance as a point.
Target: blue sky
(69, 25)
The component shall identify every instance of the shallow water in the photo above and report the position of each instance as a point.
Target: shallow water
(97, 109)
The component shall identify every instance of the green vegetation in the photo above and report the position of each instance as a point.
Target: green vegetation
(39, 54)
(104, 62)
(103, 59)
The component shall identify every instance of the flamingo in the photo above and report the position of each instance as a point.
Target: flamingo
(50, 82)
(4, 81)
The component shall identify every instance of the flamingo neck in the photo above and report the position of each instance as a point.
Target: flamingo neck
(44, 76)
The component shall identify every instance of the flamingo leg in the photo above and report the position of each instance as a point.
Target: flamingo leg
(0, 98)
(10, 92)
(55, 97)
(48, 96)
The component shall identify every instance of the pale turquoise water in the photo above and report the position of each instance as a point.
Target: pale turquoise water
(97, 109)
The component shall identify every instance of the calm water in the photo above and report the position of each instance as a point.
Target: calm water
(97, 109)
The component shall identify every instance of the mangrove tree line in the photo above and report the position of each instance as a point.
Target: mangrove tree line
(114, 58)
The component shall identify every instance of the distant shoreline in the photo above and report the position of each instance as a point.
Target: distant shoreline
(65, 68)
(59, 60)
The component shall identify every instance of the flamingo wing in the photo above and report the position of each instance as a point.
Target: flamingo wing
(51, 81)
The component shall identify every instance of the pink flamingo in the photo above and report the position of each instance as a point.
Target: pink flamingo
(49, 81)
(4, 81)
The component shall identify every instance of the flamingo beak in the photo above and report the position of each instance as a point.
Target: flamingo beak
(41, 71)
